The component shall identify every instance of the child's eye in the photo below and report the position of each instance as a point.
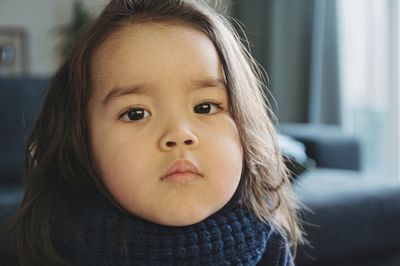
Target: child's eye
(207, 108)
(135, 114)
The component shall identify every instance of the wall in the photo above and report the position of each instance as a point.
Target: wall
(40, 18)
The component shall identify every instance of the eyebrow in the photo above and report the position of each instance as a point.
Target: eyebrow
(145, 89)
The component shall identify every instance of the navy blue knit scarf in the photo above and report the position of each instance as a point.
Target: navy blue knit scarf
(231, 236)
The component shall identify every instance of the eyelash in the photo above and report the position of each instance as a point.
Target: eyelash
(218, 105)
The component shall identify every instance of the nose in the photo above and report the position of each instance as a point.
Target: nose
(178, 137)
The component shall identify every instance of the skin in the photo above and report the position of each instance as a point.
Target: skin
(176, 68)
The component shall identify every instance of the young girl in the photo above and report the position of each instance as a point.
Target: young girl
(154, 147)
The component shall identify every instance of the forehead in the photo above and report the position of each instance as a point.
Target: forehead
(150, 48)
(154, 29)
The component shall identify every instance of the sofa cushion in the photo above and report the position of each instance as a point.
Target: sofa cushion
(351, 215)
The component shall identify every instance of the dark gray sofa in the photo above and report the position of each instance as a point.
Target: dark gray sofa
(354, 219)
(20, 100)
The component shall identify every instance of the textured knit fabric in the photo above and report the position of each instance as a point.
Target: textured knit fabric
(232, 236)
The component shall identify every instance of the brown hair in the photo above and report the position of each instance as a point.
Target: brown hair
(57, 160)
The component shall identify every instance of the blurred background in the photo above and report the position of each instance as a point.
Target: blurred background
(333, 77)
(333, 62)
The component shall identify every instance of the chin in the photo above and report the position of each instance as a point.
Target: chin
(182, 218)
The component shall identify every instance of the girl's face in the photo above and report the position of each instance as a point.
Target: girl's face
(159, 100)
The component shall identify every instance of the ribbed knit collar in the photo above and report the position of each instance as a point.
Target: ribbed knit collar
(231, 236)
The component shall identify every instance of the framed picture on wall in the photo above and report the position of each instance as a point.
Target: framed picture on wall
(13, 55)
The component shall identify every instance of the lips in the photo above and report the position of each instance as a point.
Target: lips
(180, 169)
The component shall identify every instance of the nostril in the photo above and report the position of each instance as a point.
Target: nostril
(170, 143)
(188, 142)
(173, 143)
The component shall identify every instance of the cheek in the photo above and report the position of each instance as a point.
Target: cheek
(123, 169)
(226, 157)
(231, 157)
(119, 160)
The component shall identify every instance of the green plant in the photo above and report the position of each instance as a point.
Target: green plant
(69, 32)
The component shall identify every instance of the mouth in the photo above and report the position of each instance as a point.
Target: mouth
(180, 177)
(181, 171)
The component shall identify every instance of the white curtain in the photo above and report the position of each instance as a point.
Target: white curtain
(369, 80)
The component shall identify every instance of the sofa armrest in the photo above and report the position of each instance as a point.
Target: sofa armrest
(11, 194)
(327, 145)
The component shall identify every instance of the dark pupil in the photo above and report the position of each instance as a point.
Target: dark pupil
(136, 114)
(202, 108)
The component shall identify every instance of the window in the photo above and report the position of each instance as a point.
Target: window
(369, 58)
